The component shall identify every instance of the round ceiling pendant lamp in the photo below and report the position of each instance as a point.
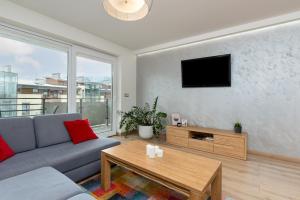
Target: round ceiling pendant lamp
(127, 10)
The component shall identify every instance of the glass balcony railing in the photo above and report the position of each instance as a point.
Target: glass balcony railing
(97, 110)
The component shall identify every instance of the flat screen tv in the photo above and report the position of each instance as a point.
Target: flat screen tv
(207, 72)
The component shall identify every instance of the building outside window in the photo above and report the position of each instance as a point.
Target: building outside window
(33, 75)
(8, 91)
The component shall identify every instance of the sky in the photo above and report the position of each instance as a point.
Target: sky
(33, 61)
(93, 69)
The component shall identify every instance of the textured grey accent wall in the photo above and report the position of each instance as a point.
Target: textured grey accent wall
(265, 92)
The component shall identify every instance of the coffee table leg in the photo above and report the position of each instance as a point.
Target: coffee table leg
(216, 186)
(105, 172)
(196, 196)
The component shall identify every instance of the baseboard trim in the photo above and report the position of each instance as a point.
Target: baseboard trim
(275, 156)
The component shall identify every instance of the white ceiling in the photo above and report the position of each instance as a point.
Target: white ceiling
(169, 20)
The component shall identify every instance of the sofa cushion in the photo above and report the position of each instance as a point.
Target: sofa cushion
(83, 196)
(5, 150)
(21, 163)
(50, 129)
(80, 131)
(45, 183)
(18, 133)
(67, 156)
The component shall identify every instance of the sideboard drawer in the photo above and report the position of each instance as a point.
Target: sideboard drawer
(178, 133)
(229, 141)
(201, 145)
(177, 141)
(229, 150)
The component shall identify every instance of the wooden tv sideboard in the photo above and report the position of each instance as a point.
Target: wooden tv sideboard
(211, 140)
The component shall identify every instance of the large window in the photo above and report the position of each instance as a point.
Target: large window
(34, 74)
(41, 76)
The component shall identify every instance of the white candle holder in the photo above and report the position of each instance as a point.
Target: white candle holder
(150, 151)
(160, 153)
(153, 151)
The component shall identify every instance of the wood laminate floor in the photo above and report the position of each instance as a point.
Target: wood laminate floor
(258, 178)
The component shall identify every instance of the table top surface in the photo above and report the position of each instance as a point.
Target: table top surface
(184, 169)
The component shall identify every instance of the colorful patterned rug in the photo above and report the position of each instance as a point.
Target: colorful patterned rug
(127, 185)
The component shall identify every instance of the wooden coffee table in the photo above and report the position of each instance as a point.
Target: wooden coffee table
(183, 172)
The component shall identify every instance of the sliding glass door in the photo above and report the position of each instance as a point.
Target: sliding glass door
(94, 90)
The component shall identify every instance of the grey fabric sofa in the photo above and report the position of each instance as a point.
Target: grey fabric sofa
(43, 141)
(42, 184)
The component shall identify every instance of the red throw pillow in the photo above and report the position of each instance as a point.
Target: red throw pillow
(80, 131)
(5, 150)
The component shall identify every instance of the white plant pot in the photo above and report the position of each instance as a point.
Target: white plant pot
(146, 132)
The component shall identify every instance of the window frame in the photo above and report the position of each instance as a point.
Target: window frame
(72, 50)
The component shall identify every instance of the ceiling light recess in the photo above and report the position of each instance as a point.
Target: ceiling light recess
(127, 10)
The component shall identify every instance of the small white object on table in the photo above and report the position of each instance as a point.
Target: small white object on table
(160, 153)
(150, 151)
(153, 151)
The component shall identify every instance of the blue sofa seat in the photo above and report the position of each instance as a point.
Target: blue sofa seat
(67, 156)
(41, 184)
(64, 157)
(21, 163)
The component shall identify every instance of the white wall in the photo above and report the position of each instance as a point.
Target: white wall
(265, 92)
(16, 15)
(127, 68)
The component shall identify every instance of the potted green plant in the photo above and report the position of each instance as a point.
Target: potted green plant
(147, 120)
(238, 127)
